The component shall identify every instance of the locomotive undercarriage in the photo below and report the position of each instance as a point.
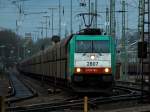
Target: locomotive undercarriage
(93, 83)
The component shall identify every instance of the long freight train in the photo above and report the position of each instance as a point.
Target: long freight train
(84, 61)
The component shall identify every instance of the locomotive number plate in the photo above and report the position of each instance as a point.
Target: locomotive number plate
(92, 63)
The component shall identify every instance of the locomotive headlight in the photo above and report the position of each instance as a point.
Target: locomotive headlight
(78, 70)
(106, 70)
(92, 57)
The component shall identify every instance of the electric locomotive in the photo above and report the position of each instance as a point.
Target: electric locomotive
(91, 61)
(84, 61)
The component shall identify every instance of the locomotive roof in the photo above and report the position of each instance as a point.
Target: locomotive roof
(87, 31)
(90, 31)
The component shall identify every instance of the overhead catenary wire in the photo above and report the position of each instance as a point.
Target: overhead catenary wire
(31, 6)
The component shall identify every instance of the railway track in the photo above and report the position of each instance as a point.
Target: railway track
(77, 103)
(133, 85)
(41, 88)
(21, 91)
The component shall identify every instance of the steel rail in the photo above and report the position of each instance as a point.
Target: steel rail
(132, 95)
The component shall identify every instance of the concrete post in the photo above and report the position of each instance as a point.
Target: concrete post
(85, 104)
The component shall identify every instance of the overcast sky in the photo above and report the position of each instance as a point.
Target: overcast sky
(30, 23)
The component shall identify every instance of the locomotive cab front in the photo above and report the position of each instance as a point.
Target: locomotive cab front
(91, 61)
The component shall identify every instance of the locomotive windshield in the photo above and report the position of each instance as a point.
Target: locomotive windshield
(92, 46)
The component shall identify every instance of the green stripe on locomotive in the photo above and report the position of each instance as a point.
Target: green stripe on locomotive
(72, 47)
